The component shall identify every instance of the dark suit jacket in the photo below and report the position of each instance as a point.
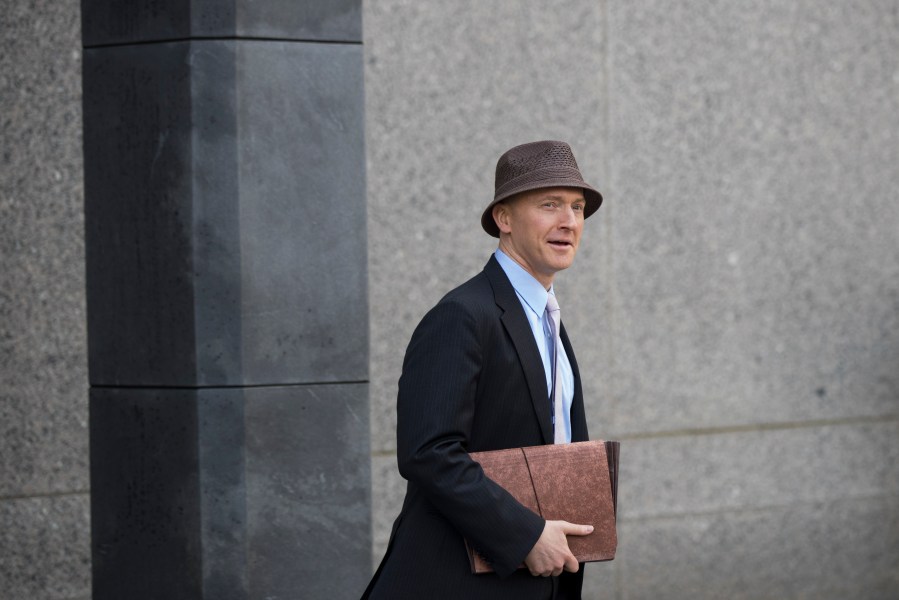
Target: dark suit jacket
(472, 380)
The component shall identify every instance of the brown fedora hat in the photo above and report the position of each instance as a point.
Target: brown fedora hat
(533, 166)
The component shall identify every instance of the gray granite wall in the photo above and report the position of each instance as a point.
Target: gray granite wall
(737, 295)
(735, 303)
(44, 503)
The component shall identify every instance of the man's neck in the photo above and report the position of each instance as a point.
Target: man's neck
(545, 280)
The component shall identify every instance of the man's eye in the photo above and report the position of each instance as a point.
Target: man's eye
(578, 207)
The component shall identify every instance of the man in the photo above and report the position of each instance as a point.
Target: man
(482, 372)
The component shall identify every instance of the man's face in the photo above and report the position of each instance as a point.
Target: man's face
(541, 229)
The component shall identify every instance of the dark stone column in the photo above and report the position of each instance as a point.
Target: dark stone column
(227, 299)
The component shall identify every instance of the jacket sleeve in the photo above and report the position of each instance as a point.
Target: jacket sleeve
(435, 408)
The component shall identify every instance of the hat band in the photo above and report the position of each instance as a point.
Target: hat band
(546, 173)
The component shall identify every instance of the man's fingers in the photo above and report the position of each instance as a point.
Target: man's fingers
(551, 555)
(575, 529)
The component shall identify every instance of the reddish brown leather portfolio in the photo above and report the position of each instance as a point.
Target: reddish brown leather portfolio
(575, 482)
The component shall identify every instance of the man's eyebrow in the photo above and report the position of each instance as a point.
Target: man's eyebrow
(558, 197)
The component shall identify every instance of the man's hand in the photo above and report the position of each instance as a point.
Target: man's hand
(550, 555)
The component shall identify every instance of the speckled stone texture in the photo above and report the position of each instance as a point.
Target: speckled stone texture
(42, 334)
(45, 547)
(735, 302)
(828, 550)
(388, 489)
(756, 263)
(44, 516)
(755, 286)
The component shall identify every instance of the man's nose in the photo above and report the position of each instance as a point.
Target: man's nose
(568, 217)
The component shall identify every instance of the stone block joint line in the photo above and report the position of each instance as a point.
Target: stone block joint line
(222, 39)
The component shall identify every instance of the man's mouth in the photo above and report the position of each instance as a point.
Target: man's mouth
(560, 243)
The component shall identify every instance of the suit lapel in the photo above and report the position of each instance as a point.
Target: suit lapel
(516, 324)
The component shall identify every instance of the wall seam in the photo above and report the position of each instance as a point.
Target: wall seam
(765, 508)
(213, 38)
(760, 427)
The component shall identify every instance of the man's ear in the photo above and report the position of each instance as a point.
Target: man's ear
(502, 217)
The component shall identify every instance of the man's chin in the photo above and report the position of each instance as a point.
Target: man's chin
(561, 265)
(563, 262)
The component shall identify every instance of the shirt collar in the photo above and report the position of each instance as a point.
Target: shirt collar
(529, 289)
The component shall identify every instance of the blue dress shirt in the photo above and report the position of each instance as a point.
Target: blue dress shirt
(532, 296)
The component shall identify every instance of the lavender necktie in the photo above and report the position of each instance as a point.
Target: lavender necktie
(558, 404)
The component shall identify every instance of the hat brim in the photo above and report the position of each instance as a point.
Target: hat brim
(592, 197)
